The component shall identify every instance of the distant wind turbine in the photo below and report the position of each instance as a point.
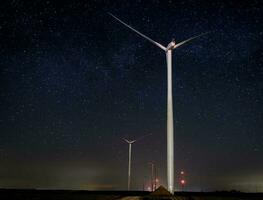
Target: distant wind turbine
(130, 142)
(170, 123)
(153, 176)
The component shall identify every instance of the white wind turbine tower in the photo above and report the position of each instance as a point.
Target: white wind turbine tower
(170, 124)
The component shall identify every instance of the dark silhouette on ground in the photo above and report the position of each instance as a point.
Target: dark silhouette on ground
(34, 194)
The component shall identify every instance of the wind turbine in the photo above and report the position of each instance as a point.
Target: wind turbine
(170, 124)
(130, 142)
(153, 176)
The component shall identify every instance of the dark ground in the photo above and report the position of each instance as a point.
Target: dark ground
(20, 194)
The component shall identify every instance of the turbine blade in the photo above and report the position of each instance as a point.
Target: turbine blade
(188, 40)
(144, 36)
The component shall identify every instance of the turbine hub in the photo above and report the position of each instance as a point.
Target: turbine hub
(171, 45)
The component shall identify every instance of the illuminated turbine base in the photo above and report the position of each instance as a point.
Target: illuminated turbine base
(170, 125)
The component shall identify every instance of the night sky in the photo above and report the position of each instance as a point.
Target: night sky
(74, 82)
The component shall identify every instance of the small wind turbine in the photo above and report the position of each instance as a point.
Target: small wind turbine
(170, 123)
(153, 176)
(130, 142)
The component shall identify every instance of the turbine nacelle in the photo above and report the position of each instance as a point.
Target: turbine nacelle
(171, 45)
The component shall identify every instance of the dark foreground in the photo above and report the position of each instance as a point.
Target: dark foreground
(125, 195)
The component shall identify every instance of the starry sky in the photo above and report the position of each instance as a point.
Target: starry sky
(74, 82)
